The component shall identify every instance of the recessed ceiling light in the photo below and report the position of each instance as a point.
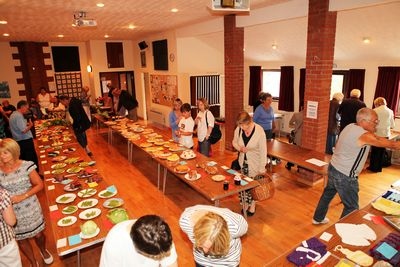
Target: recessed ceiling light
(106, 36)
(3, 22)
(131, 26)
(174, 10)
(274, 46)
(100, 4)
(366, 40)
(60, 35)
(6, 34)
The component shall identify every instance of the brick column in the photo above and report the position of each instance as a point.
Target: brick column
(234, 73)
(319, 63)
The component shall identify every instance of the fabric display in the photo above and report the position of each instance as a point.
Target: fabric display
(392, 195)
(388, 249)
(355, 234)
(358, 256)
(387, 206)
(311, 250)
(382, 264)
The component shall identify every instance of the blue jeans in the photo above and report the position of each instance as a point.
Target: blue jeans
(204, 147)
(346, 187)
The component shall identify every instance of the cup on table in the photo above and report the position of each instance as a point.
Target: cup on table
(237, 179)
(226, 185)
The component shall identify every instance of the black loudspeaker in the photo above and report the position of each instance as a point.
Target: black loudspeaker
(142, 45)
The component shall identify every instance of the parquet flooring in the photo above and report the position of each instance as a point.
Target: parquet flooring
(279, 224)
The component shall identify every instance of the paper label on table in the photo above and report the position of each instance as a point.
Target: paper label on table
(44, 161)
(387, 250)
(224, 167)
(182, 162)
(111, 188)
(211, 163)
(74, 239)
(42, 151)
(368, 216)
(67, 181)
(326, 236)
(61, 242)
(53, 207)
(232, 172)
(46, 172)
(317, 162)
(248, 179)
(243, 182)
(51, 187)
(93, 184)
(42, 156)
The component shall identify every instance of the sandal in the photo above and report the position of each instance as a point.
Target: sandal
(48, 260)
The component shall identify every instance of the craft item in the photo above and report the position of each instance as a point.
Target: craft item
(358, 256)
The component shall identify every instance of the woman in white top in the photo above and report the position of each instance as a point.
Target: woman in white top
(205, 123)
(44, 99)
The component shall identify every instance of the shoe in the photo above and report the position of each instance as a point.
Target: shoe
(324, 221)
(249, 213)
(288, 167)
(48, 260)
(274, 162)
(90, 154)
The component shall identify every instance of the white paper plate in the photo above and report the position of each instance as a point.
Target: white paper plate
(107, 194)
(71, 219)
(93, 211)
(88, 192)
(74, 170)
(57, 171)
(87, 203)
(69, 209)
(218, 177)
(187, 177)
(58, 166)
(109, 203)
(66, 198)
(90, 236)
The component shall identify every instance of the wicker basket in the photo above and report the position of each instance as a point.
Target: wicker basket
(266, 189)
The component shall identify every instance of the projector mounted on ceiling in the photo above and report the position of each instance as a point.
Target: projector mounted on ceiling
(80, 20)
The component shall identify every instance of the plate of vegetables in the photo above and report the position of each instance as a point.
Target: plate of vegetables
(67, 221)
(89, 213)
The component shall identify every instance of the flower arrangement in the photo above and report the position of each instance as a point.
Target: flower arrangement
(100, 101)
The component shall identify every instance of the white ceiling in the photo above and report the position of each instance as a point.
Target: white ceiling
(43, 20)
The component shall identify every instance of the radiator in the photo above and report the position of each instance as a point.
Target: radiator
(156, 116)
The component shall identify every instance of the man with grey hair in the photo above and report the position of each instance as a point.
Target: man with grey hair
(349, 107)
(347, 162)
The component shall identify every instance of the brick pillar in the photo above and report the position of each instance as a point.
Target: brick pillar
(234, 73)
(319, 63)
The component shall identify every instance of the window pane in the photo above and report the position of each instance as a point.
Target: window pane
(271, 81)
(336, 84)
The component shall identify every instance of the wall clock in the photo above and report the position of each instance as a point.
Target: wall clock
(172, 57)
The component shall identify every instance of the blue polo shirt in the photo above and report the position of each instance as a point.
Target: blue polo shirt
(17, 124)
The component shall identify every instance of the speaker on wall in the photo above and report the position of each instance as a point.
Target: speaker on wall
(142, 45)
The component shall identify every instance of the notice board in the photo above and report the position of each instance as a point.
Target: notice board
(164, 89)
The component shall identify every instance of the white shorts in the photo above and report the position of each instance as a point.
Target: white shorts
(9, 255)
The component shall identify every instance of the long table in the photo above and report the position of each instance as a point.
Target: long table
(68, 239)
(210, 189)
(357, 217)
(299, 156)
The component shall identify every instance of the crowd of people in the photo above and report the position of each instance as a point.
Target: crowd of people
(215, 232)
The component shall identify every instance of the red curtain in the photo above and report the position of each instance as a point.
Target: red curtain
(356, 81)
(302, 86)
(286, 90)
(387, 85)
(254, 84)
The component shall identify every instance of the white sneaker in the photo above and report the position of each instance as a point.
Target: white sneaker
(324, 221)
(274, 162)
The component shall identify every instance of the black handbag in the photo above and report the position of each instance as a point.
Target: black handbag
(215, 134)
(235, 164)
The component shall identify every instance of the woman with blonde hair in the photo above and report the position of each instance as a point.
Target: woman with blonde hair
(215, 233)
(205, 123)
(22, 182)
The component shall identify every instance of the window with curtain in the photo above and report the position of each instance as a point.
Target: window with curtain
(271, 79)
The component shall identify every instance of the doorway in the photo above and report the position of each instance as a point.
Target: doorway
(120, 79)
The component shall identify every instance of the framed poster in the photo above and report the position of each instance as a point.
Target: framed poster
(4, 90)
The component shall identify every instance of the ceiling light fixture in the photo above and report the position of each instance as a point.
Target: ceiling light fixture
(100, 5)
(366, 40)
(60, 35)
(106, 36)
(174, 10)
(89, 68)
(274, 46)
(3, 22)
(131, 26)
(6, 34)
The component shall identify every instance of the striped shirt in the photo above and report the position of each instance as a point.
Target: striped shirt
(6, 231)
(237, 227)
(349, 158)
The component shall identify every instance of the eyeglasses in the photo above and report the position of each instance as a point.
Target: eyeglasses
(374, 122)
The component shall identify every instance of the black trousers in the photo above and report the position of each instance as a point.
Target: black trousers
(28, 151)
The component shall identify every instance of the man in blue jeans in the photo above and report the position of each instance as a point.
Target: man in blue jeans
(347, 162)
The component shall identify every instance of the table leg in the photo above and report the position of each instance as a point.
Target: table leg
(164, 179)
(158, 175)
(78, 258)
(243, 200)
(216, 203)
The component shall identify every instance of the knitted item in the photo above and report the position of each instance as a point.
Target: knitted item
(392, 240)
(309, 251)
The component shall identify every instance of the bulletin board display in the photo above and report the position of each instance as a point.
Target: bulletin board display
(164, 89)
(68, 83)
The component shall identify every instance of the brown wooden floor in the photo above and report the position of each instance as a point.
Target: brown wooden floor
(278, 225)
